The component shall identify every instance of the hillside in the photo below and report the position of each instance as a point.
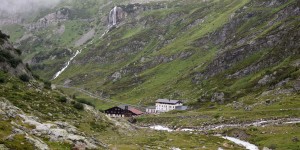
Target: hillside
(233, 62)
(33, 116)
(167, 50)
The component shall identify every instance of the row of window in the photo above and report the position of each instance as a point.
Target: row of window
(165, 106)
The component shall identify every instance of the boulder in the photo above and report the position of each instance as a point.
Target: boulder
(218, 97)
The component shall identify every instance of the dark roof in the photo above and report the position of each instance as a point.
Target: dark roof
(167, 101)
(181, 107)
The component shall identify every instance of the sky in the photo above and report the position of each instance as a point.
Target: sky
(21, 6)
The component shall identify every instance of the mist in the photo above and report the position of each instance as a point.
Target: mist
(25, 6)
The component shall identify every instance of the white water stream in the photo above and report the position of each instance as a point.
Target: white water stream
(112, 19)
(245, 144)
(67, 64)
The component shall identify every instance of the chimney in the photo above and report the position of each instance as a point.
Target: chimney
(126, 107)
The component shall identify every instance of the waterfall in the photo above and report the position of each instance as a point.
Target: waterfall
(113, 16)
(67, 64)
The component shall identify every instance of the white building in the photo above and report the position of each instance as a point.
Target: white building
(165, 105)
(151, 110)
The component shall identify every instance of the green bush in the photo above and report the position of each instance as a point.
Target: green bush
(2, 80)
(4, 36)
(62, 99)
(28, 67)
(47, 85)
(36, 76)
(24, 78)
(18, 51)
(7, 57)
(78, 106)
(14, 62)
(84, 101)
(99, 126)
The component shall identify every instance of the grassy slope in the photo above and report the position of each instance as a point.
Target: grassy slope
(43, 102)
(16, 31)
(167, 79)
(216, 20)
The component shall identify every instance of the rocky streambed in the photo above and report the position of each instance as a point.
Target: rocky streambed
(237, 141)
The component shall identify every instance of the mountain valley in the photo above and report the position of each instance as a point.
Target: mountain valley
(233, 63)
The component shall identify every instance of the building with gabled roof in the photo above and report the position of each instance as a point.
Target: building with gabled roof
(123, 111)
(165, 105)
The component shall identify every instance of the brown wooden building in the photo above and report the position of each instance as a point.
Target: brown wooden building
(123, 111)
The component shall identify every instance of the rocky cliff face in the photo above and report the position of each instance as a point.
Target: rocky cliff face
(51, 19)
(10, 60)
(115, 16)
(10, 21)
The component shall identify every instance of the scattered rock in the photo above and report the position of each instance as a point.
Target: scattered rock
(3, 147)
(57, 131)
(116, 76)
(295, 139)
(266, 79)
(248, 108)
(39, 144)
(218, 97)
(297, 85)
(266, 148)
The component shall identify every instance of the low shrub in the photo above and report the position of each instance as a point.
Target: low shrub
(84, 101)
(14, 62)
(18, 51)
(28, 67)
(4, 36)
(2, 80)
(36, 76)
(7, 57)
(62, 99)
(78, 106)
(47, 85)
(24, 78)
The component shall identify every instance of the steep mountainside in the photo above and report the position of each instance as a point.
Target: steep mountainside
(235, 63)
(184, 51)
(172, 49)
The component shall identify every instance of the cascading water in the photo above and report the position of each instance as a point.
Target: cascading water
(113, 17)
(67, 64)
(112, 22)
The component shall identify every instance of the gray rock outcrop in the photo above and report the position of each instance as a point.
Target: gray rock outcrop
(115, 16)
(56, 131)
(60, 15)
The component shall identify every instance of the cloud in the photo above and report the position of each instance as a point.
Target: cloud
(22, 6)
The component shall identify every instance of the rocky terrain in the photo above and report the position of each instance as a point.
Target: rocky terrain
(34, 116)
(233, 62)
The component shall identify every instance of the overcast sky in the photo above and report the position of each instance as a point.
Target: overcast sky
(20, 6)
